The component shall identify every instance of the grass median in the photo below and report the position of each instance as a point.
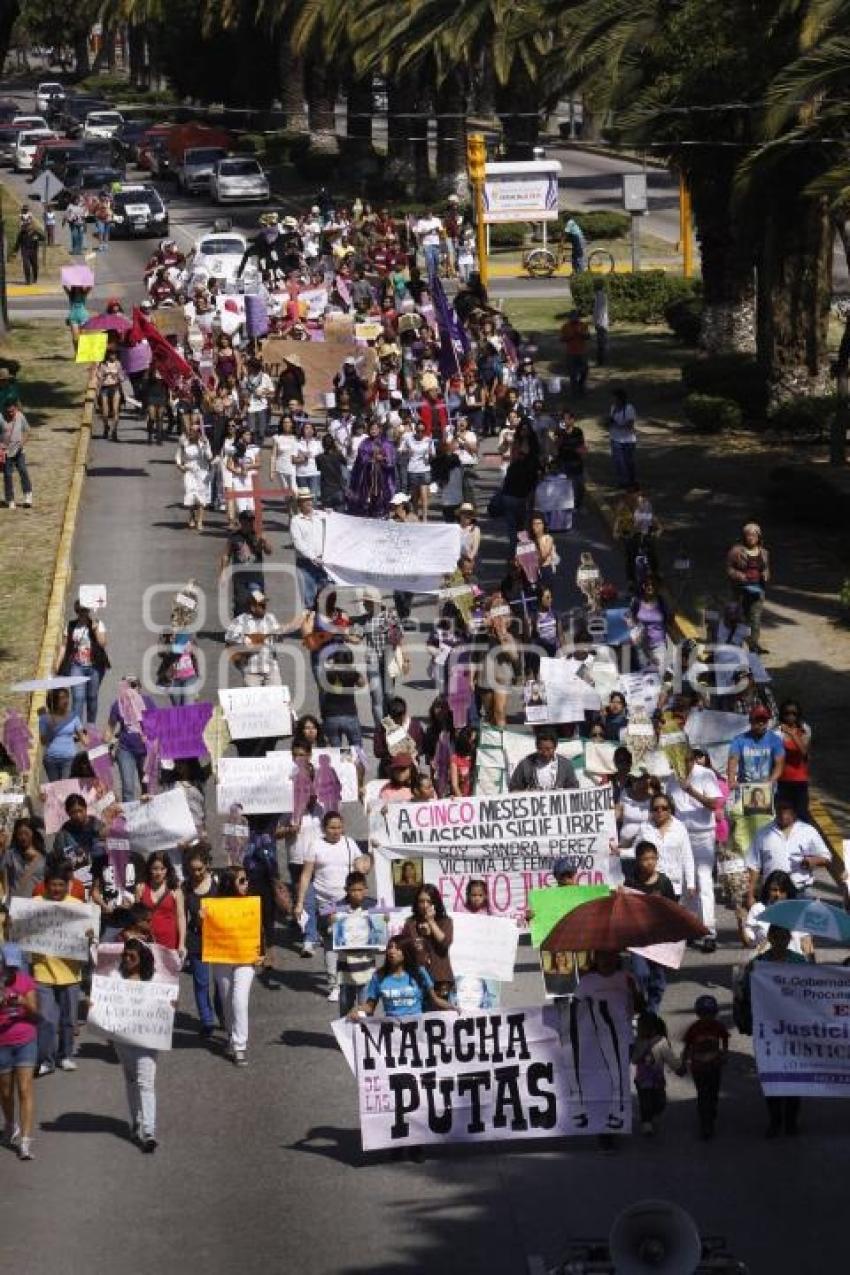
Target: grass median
(52, 390)
(51, 260)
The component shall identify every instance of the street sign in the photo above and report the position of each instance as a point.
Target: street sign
(634, 192)
(46, 187)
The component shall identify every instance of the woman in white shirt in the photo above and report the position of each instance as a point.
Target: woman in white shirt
(241, 466)
(328, 859)
(634, 811)
(281, 463)
(419, 450)
(621, 427)
(670, 838)
(306, 469)
(777, 888)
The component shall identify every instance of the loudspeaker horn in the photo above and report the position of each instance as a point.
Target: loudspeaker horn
(655, 1237)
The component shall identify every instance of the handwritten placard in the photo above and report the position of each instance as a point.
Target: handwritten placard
(159, 824)
(53, 929)
(257, 712)
(131, 1011)
(231, 931)
(258, 785)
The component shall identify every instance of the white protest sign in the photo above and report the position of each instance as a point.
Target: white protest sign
(707, 727)
(493, 1076)
(568, 698)
(159, 824)
(641, 690)
(256, 712)
(260, 785)
(92, 596)
(167, 964)
(511, 841)
(484, 946)
(134, 1012)
(343, 765)
(54, 929)
(667, 954)
(411, 556)
(801, 1029)
(343, 1030)
(599, 757)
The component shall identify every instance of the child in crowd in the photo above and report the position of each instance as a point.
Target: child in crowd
(355, 966)
(652, 1052)
(706, 1050)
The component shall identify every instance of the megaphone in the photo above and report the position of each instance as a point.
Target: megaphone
(655, 1237)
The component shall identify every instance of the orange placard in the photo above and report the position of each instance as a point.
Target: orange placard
(231, 931)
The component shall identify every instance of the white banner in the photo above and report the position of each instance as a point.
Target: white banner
(132, 1011)
(523, 1073)
(260, 785)
(160, 823)
(801, 1029)
(707, 727)
(511, 841)
(54, 929)
(254, 712)
(410, 556)
(484, 946)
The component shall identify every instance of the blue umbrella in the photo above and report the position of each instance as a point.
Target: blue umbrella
(809, 915)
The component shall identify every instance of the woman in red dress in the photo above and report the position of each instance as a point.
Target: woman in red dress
(160, 892)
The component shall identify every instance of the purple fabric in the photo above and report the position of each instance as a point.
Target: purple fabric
(102, 766)
(256, 316)
(326, 785)
(372, 483)
(17, 740)
(179, 731)
(454, 341)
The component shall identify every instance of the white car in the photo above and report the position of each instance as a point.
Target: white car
(28, 143)
(216, 256)
(46, 92)
(30, 121)
(102, 123)
(239, 178)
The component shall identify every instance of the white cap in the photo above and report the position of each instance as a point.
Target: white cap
(400, 498)
(303, 493)
(257, 595)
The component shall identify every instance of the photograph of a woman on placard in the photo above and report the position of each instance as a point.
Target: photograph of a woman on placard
(360, 930)
(560, 974)
(407, 878)
(757, 799)
(473, 994)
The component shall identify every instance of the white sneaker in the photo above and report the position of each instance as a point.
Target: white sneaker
(28, 500)
(307, 950)
(25, 1149)
(333, 994)
(66, 1064)
(10, 1136)
(11, 505)
(239, 1058)
(44, 1069)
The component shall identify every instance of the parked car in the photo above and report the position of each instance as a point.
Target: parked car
(8, 142)
(49, 93)
(29, 141)
(138, 211)
(103, 123)
(195, 172)
(239, 178)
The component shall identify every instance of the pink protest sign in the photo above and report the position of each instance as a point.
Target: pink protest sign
(77, 277)
(56, 794)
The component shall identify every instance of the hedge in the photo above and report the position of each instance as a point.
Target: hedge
(732, 376)
(634, 298)
(600, 223)
(684, 318)
(710, 415)
(804, 416)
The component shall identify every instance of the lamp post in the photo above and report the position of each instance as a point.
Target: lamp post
(476, 158)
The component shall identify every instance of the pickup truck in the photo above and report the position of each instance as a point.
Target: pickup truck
(194, 174)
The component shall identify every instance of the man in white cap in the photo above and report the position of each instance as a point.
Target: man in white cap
(256, 631)
(307, 529)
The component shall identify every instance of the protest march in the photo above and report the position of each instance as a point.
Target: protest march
(381, 767)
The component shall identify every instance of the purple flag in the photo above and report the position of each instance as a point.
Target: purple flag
(179, 731)
(99, 758)
(17, 740)
(454, 341)
(256, 316)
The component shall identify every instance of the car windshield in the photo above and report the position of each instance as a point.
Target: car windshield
(104, 119)
(149, 198)
(50, 88)
(240, 168)
(204, 156)
(219, 247)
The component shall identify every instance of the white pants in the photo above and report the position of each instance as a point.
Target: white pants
(703, 846)
(234, 988)
(140, 1078)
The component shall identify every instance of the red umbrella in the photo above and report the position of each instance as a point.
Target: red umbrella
(108, 323)
(623, 919)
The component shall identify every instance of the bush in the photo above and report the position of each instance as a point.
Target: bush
(800, 417)
(634, 298)
(710, 415)
(684, 319)
(600, 223)
(510, 235)
(734, 376)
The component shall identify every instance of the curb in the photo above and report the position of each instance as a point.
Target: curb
(683, 630)
(611, 152)
(55, 618)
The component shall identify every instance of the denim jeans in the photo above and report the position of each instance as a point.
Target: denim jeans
(351, 994)
(57, 1007)
(336, 727)
(84, 696)
(623, 457)
(311, 579)
(379, 687)
(651, 979)
(140, 1078)
(17, 462)
(183, 692)
(78, 238)
(130, 771)
(310, 932)
(200, 972)
(57, 768)
(431, 253)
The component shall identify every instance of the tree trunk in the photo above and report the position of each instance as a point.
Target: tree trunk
(321, 109)
(794, 292)
(401, 167)
(359, 106)
(105, 55)
(517, 104)
(452, 99)
(81, 53)
(728, 269)
(420, 114)
(291, 74)
(9, 11)
(136, 56)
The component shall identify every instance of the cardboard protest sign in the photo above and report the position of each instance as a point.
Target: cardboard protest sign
(484, 947)
(54, 929)
(258, 785)
(801, 1029)
(231, 931)
(511, 841)
(257, 712)
(132, 1011)
(54, 796)
(160, 823)
(524, 1073)
(551, 904)
(321, 361)
(179, 731)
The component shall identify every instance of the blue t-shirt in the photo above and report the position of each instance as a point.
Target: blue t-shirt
(401, 995)
(756, 757)
(57, 734)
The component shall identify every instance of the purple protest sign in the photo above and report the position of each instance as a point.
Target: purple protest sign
(17, 740)
(98, 755)
(256, 316)
(179, 731)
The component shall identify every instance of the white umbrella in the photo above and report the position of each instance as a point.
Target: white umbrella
(47, 683)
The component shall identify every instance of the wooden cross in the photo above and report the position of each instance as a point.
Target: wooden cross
(257, 493)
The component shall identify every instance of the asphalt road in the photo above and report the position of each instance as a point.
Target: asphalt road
(261, 1167)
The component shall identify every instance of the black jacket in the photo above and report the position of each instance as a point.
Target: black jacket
(524, 778)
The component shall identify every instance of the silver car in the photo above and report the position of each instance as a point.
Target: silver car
(199, 163)
(239, 179)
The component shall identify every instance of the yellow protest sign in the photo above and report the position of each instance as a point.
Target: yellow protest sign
(91, 347)
(231, 931)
